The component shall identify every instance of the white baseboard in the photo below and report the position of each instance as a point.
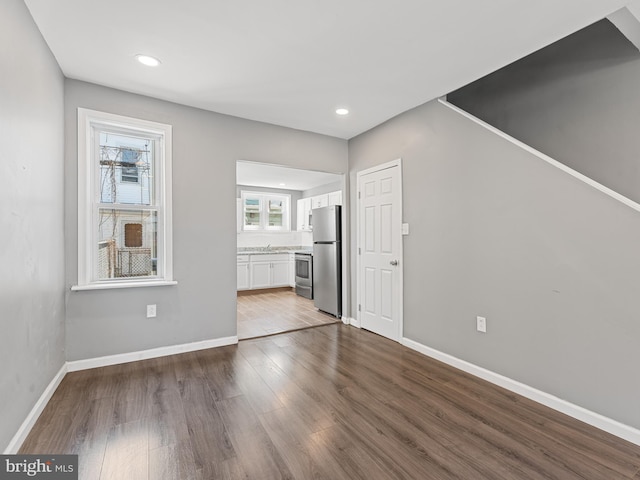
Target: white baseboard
(105, 361)
(32, 417)
(609, 425)
(355, 322)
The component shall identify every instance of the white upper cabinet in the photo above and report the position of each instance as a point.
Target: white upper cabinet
(320, 201)
(304, 214)
(305, 205)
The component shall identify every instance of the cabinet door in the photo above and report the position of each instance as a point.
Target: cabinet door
(335, 198)
(320, 201)
(260, 274)
(300, 214)
(292, 270)
(280, 274)
(304, 209)
(243, 276)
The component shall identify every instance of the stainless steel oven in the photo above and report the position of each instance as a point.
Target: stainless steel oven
(304, 274)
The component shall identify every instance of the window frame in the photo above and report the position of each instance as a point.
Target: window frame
(264, 198)
(89, 199)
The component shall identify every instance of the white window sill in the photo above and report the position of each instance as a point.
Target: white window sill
(110, 285)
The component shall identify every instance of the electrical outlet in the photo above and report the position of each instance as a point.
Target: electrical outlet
(151, 311)
(481, 324)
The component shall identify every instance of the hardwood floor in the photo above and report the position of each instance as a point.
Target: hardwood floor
(270, 312)
(331, 402)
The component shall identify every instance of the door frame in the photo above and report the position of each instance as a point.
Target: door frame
(359, 175)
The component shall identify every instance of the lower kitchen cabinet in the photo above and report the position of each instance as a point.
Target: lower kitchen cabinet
(280, 273)
(292, 269)
(243, 276)
(264, 271)
(260, 274)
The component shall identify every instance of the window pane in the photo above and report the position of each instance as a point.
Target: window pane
(130, 158)
(126, 168)
(252, 212)
(127, 243)
(276, 210)
(275, 220)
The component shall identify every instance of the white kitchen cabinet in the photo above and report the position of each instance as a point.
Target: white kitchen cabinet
(303, 214)
(320, 201)
(292, 269)
(260, 274)
(335, 198)
(243, 276)
(271, 270)
(280, 274)
(305, 205)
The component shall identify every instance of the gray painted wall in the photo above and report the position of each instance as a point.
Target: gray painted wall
(31, 217)
(577, 101)
(206, 147)
(549, 261)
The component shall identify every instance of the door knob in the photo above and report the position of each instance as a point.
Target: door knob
(393, 262)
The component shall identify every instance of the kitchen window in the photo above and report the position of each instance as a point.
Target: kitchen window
(124, 202)
(265, 211)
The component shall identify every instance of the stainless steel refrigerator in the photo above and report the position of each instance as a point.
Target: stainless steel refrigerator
(327, 259)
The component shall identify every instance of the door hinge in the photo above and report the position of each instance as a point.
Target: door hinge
(359, 307)
(359, 251)
(359, 194)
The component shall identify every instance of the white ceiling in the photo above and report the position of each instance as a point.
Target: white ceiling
(273, 176)
(293, 62)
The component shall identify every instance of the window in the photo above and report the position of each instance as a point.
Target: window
(124, 202)
(265, 211)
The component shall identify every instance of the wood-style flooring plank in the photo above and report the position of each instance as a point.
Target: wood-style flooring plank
(209, 436)
(257, 454)
(127, 452)
(172, 461)
(336, 451)
(290, 435)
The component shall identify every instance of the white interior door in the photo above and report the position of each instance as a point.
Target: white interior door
(380, 250)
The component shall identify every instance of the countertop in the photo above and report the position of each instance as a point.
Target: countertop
(273, 250)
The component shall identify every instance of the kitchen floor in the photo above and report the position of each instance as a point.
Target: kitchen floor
(270, 312)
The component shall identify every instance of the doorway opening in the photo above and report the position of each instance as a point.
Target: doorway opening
(274, 235)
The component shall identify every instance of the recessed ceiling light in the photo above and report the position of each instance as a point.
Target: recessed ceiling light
(147, 60)
(342, 111)
(283, 184)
